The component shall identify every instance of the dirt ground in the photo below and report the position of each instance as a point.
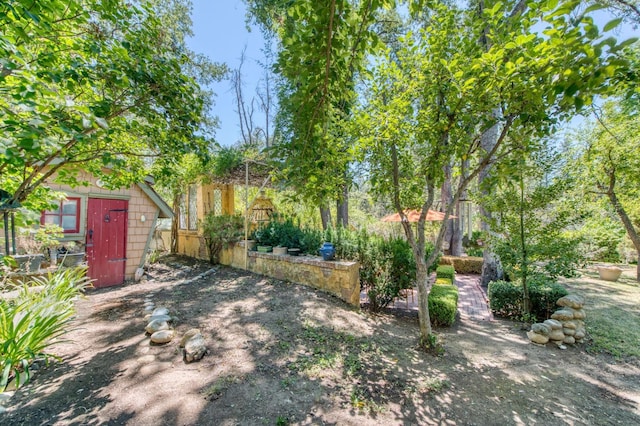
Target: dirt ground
(285, 354)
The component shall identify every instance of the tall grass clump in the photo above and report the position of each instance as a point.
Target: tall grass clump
(32, 321)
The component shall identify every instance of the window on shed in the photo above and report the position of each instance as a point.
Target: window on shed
(193, 208)
(66, 215)
(217, 202)
(183, 211)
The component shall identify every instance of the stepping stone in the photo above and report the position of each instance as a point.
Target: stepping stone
(156, 325)
(163, 336)
(160, 311)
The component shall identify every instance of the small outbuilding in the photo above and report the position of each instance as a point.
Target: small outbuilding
(113, 227)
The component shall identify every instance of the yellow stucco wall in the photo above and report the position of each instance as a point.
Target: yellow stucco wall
(339, 278)
(139, 205)
(190, 242)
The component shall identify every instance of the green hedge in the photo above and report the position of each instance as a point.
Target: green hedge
(446, 271)
(464, 265)
(443, 304)
(444, 281)
(506, 298)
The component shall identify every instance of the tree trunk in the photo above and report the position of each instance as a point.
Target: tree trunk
(446, 198)
(422, 280)
(174, 224)
(342, 211)
(325, 216)
(456, 237)
(491, 268)
(626, 221)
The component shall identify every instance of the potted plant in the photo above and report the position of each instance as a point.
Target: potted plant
(69, 256)
(49, 237)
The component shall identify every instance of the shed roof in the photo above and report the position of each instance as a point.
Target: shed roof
(165, 211)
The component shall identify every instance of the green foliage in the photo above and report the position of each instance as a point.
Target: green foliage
(30, 323)
(606, 164)
(443, 304)
(285, 232)
(95, 86)
(446, 271)
(444, 281)
(225, 160)
(387, 266)
(464, 265)
(506, 298)
(219, 231)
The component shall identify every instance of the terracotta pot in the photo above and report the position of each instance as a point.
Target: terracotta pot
(609, 273)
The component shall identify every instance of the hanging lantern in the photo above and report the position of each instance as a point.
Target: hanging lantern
(261, 210)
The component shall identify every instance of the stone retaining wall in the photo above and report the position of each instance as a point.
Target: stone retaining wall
(339, 278)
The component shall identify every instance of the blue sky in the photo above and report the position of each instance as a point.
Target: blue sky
(220, 33)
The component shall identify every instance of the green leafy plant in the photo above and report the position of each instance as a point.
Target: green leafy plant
(506, 298)
(446, 271)
(443, 304)
(219, 231)
(31, 322)
(464, 265)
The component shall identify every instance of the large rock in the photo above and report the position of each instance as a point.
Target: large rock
(554, 324)
(556, 335)
(564, 314)
(160, 311)
(156, 325)
(541, 328)
(195, 348)
(162, 336)
(579, 314)
(537, 338)
(570, 340)
(571, 301)
(569, 331)
(570, 324)
(580, 333)
(188, 335)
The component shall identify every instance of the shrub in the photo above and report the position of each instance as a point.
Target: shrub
(444, 281)
(29, 323)
(506, 298)
(443, 304)
(464, 265)
(446, 271)
(219, 231)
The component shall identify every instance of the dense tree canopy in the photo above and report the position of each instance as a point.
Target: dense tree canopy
(92, 84)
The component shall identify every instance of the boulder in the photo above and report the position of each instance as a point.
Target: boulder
(569, 324)
(570, 340)
(554, 324)
(569, 331)
(556, 335)
(156, 325)
(579, 314)
(537, 338)
(541, 328)
(188, 335)
(571, 301)
(166, 318)
(580, 334)
(194, 348)
(564, 314)
(162, 336)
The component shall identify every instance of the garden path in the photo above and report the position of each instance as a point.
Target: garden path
(472, 300)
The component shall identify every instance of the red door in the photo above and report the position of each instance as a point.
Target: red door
(106, 241)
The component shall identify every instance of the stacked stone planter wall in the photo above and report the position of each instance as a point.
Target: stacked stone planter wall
(566, 325)
(340, 278)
